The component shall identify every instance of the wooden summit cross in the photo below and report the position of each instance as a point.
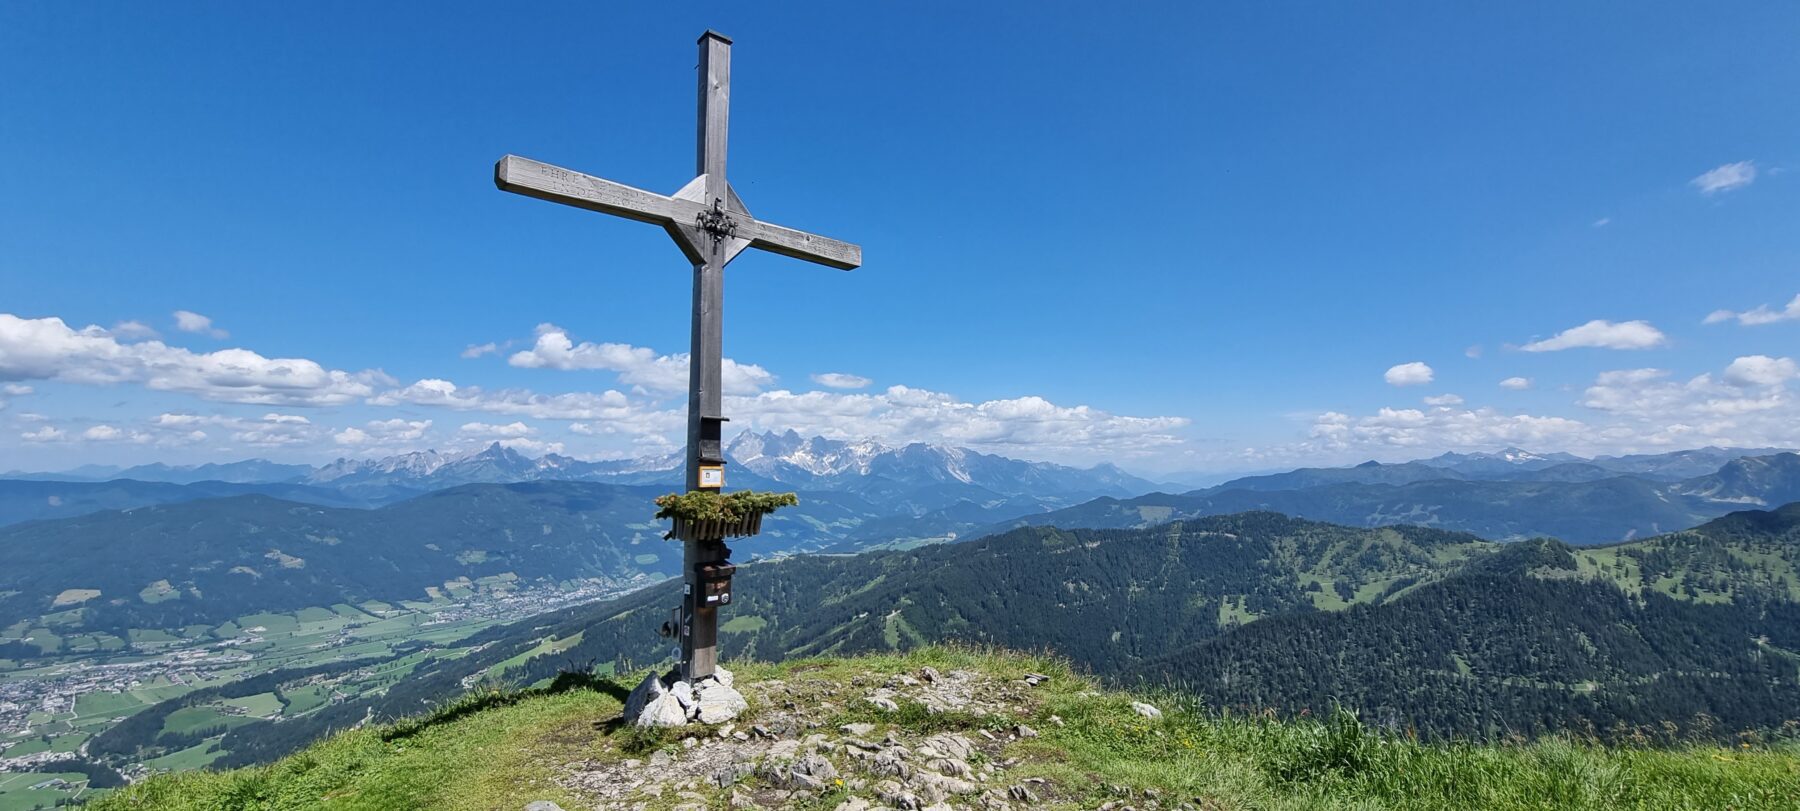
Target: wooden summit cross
(711, 226)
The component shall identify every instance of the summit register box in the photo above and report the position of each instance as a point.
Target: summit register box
(715, 582)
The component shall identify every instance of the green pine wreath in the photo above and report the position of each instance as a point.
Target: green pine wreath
(709, 505)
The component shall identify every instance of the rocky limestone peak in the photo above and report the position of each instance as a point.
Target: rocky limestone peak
(767, 453)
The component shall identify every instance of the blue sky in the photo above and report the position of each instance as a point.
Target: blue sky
(1182, 237)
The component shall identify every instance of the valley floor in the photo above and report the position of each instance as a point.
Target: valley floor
(812, 739)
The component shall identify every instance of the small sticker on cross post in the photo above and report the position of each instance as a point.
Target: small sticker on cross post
(712, 477)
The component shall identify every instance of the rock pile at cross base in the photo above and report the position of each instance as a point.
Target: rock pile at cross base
(784, 753)
(666, 701)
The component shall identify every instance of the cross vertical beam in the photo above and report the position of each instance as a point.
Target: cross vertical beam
(700, 642)
(715, 112)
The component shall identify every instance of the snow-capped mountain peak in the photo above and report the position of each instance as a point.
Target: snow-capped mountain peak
(769, 453)
(824, 463)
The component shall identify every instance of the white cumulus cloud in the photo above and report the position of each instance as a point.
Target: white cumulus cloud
(1750, 407)
(1750, 404)
(1516, 383)
(614, 407)
(388, 433)
(113, 433)
(635, 365)
(48, 349)
(514, 429)
(1438, 428)
(652, 416)
(133, 331)
(648, 417)
(1030, 426)
(272, 430)
(190, 321)
(1729, 177)
(1760, 370)
(45, 434)
(399, 430)
(839, 380)
(1762, 314)
(1415, 373)
(1602, 334)
(103, 433)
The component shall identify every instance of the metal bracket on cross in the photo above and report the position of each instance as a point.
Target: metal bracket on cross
(717, 222)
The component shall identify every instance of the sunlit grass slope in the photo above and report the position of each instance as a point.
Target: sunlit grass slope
(499, 750)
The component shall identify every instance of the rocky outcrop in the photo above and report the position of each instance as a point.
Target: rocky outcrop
(791, 757)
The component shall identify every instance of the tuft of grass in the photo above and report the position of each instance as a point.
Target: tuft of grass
(1336, 762)
(1340, 745)
(636, 740)
(915, 717)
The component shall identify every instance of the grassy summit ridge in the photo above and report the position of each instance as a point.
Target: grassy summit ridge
(1085, 746)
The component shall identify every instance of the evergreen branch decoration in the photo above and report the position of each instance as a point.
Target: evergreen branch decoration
(707, 505)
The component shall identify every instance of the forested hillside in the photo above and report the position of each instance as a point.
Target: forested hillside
(1527, 648)
(1250, 610)
(169, 566)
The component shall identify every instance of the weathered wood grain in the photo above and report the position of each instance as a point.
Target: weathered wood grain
(795, 244)
(571, 188)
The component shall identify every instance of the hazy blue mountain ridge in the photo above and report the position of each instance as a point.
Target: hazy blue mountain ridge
(32, 500)
(1594, 511)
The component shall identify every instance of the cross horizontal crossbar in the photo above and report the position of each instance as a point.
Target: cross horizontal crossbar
(675, 214)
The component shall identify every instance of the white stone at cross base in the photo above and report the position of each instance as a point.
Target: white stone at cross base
(665, 711)
(648, 690)
(715, 702)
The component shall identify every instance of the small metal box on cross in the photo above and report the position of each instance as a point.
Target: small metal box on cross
(711, 225)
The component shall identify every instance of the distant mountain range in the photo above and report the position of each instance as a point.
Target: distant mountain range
(884, 495)
(873, 482)
(820, 463)
(1672, 466)
(785, 458)
(248, 471)
(914, 478)
(32, 500)
(1534, 497)
(1511, 464)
